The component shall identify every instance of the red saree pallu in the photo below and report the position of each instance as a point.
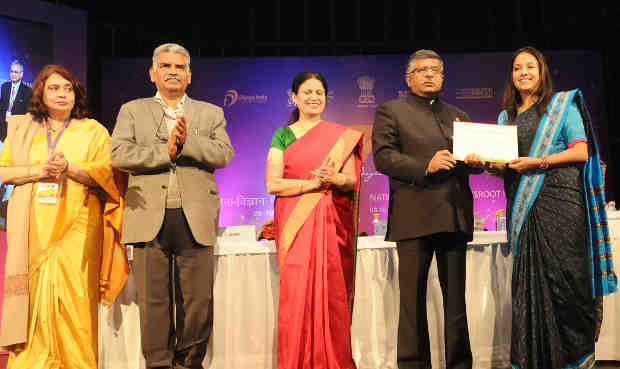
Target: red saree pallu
(315, 237)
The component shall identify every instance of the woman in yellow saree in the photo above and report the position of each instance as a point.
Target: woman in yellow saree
(57, 231)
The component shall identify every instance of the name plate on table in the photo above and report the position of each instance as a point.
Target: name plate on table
(244, 248)
(493, 142)
(239, 233)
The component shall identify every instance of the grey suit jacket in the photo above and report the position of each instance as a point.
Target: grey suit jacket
(140, 148)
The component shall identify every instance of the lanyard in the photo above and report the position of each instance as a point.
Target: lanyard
(52, 146)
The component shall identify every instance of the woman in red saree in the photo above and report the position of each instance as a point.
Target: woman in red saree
(314, 168)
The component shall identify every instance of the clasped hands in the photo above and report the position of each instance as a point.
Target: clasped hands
(327, 175)
(443, 160)
(177, 137)
(54, 167)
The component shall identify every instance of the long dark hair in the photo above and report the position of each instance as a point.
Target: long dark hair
(38, 109)
(299, 79)
(544, 92)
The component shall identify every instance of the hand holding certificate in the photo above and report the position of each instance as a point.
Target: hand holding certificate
(492, 142)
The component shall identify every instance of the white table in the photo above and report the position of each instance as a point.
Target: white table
(488, 297)
(246, 296)
(246, 293)
(608, 345)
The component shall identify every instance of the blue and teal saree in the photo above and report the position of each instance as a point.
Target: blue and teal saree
(560, 240)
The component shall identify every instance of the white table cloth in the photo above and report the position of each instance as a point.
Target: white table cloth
(608, 345)
(246, 297)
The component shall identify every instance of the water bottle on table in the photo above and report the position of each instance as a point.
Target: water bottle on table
(500, 220)
(380, 226)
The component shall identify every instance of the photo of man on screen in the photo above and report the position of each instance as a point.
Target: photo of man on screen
(15, 96)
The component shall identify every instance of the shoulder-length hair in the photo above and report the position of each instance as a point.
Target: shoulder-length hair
(38, 108)
(544, 92)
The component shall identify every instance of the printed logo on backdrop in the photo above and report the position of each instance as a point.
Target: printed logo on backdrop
(290, 103)
(489, 194)
(254, 206)
(379, 196)
(475, 93)
(367, 98)
(378, 202)
(368, 174)
(232, 97)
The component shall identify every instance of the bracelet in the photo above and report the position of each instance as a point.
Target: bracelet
(544, 164)
(301, 187)
(344, 179)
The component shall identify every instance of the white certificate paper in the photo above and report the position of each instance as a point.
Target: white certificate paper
(493, 142)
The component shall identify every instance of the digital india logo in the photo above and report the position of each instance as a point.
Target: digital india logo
(232, 97)
(475, 93)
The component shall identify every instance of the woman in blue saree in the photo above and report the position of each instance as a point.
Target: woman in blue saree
(558, 227)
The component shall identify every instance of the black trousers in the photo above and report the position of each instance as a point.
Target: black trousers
(174, 277)
(415, 257)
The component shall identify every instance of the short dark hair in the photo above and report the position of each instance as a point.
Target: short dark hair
(544, 92)
(38, 109)
(299, 79)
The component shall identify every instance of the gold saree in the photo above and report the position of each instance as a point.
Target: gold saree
(65, 246)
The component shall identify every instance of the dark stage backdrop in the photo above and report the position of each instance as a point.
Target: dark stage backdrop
(66, 28)
(255, 95)
(28, 42)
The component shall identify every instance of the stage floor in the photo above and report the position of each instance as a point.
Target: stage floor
(599, 364)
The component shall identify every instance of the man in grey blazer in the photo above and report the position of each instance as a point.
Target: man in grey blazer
(170, 146)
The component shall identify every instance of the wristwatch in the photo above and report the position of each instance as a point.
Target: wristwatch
(544, 164)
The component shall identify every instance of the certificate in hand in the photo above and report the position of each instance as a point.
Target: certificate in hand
(493, 142)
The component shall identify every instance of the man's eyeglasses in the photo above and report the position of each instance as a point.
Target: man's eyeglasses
(434, 70)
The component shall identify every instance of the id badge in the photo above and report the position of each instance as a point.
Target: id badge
(47, 192)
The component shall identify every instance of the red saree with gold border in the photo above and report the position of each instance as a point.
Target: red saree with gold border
(315, 237)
